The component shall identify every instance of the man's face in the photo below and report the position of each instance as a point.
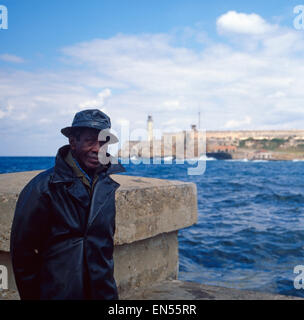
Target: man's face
(86, 149)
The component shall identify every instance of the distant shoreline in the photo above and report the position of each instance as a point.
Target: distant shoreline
(208, 157)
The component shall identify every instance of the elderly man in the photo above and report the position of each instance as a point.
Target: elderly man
(64, 223)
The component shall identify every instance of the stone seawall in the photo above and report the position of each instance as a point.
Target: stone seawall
(149, 212)
(242, 134)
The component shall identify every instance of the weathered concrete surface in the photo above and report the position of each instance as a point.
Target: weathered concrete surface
(145, 207)
(148, 214)
(11, 294)
(145, 261)
(180, 290)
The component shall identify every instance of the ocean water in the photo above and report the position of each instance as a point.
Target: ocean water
(250, 229)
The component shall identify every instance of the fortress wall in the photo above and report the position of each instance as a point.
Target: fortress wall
(268, 134)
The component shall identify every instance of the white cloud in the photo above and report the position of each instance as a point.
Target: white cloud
(11, 58)
(170, 122)
(277, 95)
(98, 102)
(123, 121)
(171, 105)
(4, 112)
(242, 23)
(234, 124)
(45, 121)
(131, 76)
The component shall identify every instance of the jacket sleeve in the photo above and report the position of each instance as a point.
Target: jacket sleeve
(27, 237)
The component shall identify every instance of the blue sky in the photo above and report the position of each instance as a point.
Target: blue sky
(238, 62)
(42, 27)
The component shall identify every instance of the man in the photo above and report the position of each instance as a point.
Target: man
(64, 223)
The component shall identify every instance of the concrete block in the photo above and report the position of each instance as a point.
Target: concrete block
(149, 212)
(144, 262)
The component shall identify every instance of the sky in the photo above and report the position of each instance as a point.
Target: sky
(239, 63)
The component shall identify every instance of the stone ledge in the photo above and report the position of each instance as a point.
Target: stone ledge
(181, 290)
(145, 207)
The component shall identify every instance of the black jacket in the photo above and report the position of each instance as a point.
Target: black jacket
(61, 239)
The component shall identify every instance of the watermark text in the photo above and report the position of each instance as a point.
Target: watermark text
(299, 279)
(181, 147)
(298, 21)
(3, 17)
(3, 278)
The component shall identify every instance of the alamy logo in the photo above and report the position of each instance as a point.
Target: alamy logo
(3, 17)
(3, 278)
(299, 280)
(298, 21)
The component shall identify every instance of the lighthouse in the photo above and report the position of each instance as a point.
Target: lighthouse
(150, 128)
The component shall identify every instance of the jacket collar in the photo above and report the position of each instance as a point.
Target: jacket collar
(64, 173)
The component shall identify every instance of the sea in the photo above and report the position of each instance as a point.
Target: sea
(250, 229)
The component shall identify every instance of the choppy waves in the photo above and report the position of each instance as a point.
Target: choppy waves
(250, 233)
(250, 229)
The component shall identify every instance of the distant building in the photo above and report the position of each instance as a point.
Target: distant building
(150, 128)
(194, 143)
(221, 148)
(193, 127)
(262, 155)
(255, 134)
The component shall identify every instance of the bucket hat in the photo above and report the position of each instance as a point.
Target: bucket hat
(92, 118)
